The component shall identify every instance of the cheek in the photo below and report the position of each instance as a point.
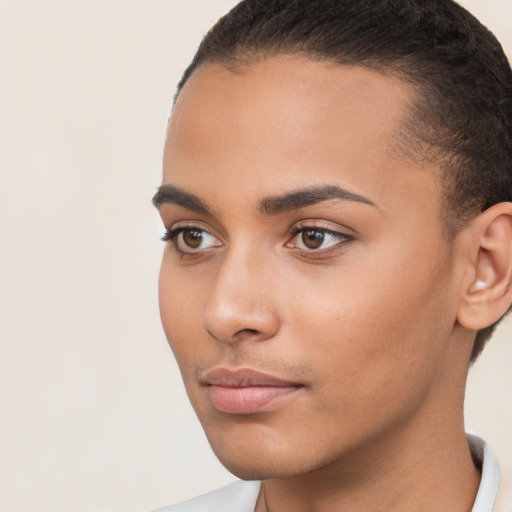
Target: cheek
(377, 334)
(180, 308)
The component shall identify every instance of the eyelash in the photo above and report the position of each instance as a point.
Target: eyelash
(171, 235)
(343, 240)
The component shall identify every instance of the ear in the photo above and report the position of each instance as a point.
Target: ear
(487, 292)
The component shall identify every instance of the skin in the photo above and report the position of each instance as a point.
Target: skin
(366, 324)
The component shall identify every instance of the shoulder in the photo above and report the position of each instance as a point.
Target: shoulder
(237, 497)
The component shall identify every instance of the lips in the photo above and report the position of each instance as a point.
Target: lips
(246, 391)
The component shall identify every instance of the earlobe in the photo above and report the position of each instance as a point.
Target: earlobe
(488, 295)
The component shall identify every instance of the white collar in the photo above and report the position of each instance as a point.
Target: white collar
(488, 490)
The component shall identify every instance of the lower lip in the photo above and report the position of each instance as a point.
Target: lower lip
(247, 400)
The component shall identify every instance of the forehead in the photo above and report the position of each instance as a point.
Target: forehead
(286, 122)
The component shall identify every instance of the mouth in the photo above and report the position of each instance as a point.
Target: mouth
(246, 391)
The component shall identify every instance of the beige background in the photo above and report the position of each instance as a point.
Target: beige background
(93, 416)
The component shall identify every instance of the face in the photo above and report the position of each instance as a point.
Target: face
(306, 288)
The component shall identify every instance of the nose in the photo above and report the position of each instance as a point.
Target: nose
(242, 304)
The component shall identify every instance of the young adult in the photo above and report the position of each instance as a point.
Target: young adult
(336, 194)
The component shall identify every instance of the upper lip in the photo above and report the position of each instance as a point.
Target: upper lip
(243, 378)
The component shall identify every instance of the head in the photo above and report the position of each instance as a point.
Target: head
(462, 115)
(336, 180)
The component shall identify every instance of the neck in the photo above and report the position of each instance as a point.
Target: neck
(422, 469)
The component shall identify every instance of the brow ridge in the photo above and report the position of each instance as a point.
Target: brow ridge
(170, 194)
(294, 200)
(304, 197)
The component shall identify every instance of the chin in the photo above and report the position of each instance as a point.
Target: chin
(257, 470)
(252, 460)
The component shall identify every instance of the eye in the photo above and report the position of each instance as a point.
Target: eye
(311, 239)
(191, 240)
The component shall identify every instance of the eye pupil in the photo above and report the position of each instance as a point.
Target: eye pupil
(193, 238)
(313, 238)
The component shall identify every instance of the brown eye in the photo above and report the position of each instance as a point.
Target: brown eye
(313, 238)
(317, 239)
(192, 238)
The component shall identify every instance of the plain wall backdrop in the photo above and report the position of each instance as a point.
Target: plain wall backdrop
(93, 415)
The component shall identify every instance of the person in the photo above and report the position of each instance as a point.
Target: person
(337, 202)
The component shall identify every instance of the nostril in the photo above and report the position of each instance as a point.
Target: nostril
(247, 333)
(239, 334)
(250, 335)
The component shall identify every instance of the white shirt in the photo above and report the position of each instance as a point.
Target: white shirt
(242, 496)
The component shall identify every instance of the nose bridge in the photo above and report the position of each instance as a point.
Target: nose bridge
(240, 303)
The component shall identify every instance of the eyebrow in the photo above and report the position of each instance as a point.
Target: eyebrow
(295, 200)
(307, 197)
(169, 194)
